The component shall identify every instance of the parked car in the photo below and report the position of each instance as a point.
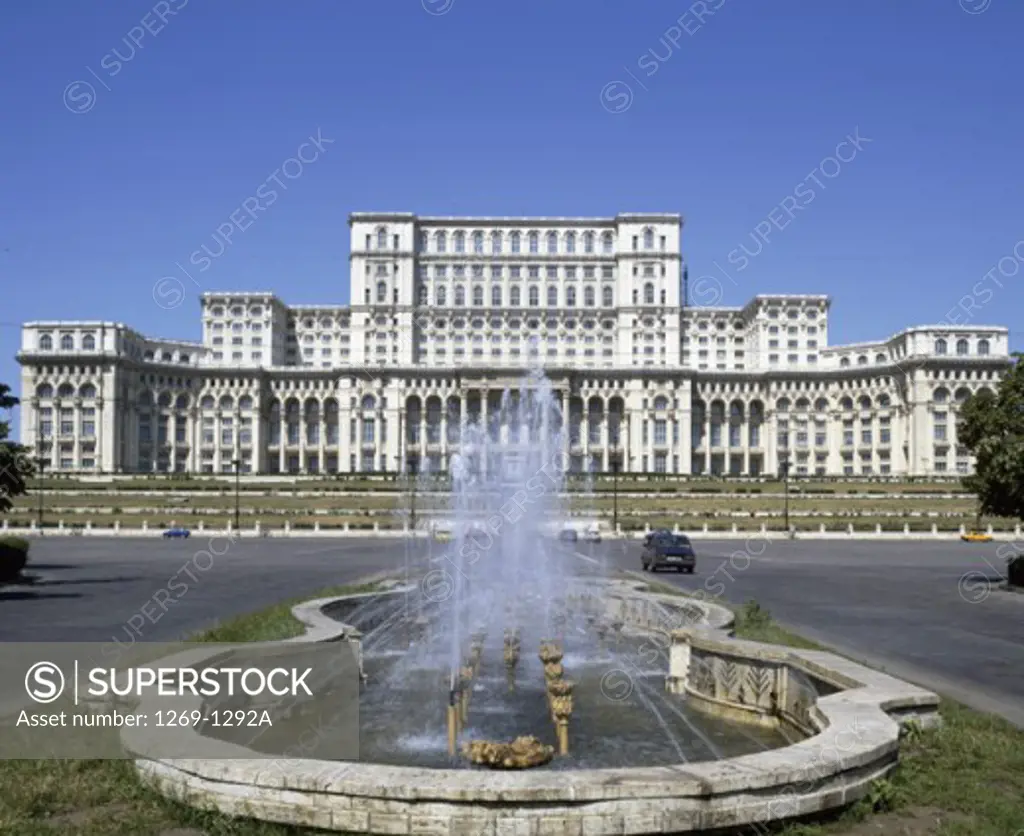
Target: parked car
(177, 532)
(672, 551)
(976, 537)
(568, 535)
(592, 535)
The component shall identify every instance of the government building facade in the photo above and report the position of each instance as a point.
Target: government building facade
(447, 315)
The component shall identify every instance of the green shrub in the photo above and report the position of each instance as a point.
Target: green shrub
(1015, 571)
(13, 557)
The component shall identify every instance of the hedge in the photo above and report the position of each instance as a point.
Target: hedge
(13, 557)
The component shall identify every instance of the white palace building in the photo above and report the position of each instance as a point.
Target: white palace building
(448, 313)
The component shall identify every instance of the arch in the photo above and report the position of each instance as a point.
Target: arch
(844, 362)
(588, 297)
(181, 402)
(88, 343)
(495, 242)
(533, 239)
(382, 292)
(226, 402)
(44, 390)
(442, 296)
(941, 395)
(607, 243)
(245, 402)
(846, 404)
(821, 405)
(460, 296)
(884, 401)
(881, 358)
(862, 360)
(514, 295)
(552, 241)
(478, 241)
(67, 342)
(588, 241)
(382, 237)
(46, 343)
(496, 296)
(962, 394)
(985, 391)
(648, 238)
(782, 405)
(145, 399)
(515, 242)
(65, 390)
(963, 348)
(570, 297)
(736, 411)
(207, 402)
(570, 242)
(164, 401)
(802, 405)
(534, 296)
(660, 403)
(983, 348)
(368, 402)
(864, 402)
(940, 346)
(478, 296)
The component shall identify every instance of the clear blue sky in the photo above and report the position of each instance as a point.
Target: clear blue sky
(501, 108)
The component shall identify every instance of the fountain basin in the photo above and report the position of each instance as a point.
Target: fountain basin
(853, 715)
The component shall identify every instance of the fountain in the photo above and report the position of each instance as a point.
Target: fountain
(449, 715)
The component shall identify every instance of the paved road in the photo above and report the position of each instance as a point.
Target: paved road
(928, 612)
(903, 606)
(96, 590)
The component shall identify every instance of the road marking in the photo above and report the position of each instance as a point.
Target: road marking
(586, 558)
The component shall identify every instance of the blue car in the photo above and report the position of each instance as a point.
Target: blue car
(177, 532)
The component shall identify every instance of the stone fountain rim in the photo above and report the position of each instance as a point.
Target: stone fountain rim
(860, 712)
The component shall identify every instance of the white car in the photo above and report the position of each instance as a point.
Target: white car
(592, 535)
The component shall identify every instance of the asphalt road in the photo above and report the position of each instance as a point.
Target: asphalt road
(924, 611)
(928, 612)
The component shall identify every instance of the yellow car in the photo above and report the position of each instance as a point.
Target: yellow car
(442, 536)
(976, 537)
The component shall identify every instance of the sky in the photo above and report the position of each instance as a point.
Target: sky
(864, 149)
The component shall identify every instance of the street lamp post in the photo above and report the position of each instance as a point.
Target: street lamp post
(238, 472)
(784, 473)
(615, 495)
(41, 463)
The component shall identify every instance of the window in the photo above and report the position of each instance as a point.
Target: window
(514, 297)
(940, 346)
(441, 242)
(552, 242)
(67, 342)
(459, 242)
(382, 238)
(534, 240)
(46, 343)
(495, 242)
(588, 297)
(570, 297)
(649, 294)
(496, 296)
(552, 297)
(382, 292)
(460, 295)
(983, 347)
(478, 296)
(442, 296)
(606, 243)
(588, 242)
(607, 296)
(962, 348)
(570, 242)
(515, 242)
(534, 296)
(648, 239)
(421, 294)
(88, 343)
(478, 242)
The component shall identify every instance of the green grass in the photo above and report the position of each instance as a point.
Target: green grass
(105, 797)
(965, 778)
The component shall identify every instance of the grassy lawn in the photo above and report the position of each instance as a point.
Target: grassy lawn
(963, 779)
(104, 797)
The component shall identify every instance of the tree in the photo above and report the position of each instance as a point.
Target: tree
(992, 428)
(15, 463)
